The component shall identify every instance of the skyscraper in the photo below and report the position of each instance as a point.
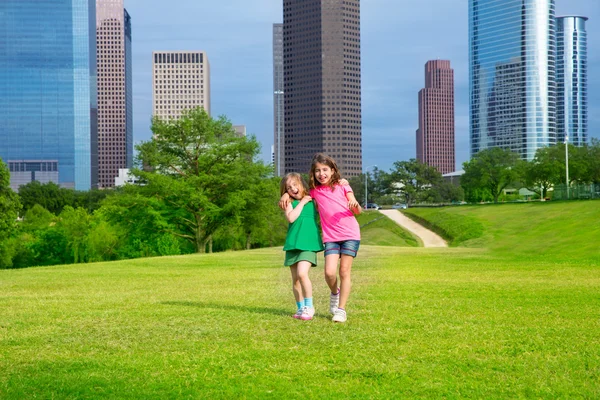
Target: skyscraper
(435, 136)
(115, 108)
(571, 80)
(180, 80)
(47, 91)
(322, 83)
(278, 99)
(512, 68)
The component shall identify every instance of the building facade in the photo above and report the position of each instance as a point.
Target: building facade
(512, 75)
(115, 106)
(278, 149)
(48, 91)
(180, 80)
(435, 136)
(322, 83)
(571, 80)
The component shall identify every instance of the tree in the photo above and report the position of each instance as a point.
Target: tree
(49, 195)
(9, 211)
(491, 169)
(543, 171)
(200, 169)
(414, 180)
(75, 224)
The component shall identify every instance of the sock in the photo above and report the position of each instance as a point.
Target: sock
(299, 304)
(308, 302)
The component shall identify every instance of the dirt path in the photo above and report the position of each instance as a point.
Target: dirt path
(429, 238)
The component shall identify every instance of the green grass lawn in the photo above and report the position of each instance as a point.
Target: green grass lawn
(422, 323)
(378, 230)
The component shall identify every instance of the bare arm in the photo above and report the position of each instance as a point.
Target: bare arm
(353, 204)
(284, 202)
(293, 213)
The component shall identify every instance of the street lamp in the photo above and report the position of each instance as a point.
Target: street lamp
(366, 180)
(567, 163)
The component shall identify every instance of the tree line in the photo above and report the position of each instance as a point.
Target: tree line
(198, 187)
(487, 176)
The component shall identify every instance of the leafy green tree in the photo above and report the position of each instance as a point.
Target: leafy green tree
(75, 223)
(262, 221)
(200, 169)
(102, 241)
(49, 195)
(539, 174)
(594, 160)
(37, 218)
(141, 224)
(447, 192)
(9, 211)
(492, 169)
(54, 198)
(414, 180)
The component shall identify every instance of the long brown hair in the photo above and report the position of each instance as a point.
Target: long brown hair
(325, 160)
(298, 178)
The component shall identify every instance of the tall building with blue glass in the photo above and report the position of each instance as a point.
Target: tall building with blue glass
(512, 68)
(47, 91)
(571, 80)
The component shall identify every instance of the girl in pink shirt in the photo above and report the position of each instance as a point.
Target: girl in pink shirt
(341, 232)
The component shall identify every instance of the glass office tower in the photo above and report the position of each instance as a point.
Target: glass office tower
(47, 89)
(512, 45)
(571, 80)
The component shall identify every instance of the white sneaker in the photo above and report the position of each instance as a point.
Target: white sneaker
(334, 301)
(298, 314)
(339, 315)
(307, 313)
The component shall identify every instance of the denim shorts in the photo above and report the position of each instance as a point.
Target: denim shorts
(348, 247)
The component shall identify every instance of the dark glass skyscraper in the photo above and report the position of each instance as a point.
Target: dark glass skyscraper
(322, 83)
(47, 91)
(512, 66)
(571, 79)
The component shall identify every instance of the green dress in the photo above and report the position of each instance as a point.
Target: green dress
(303, 234)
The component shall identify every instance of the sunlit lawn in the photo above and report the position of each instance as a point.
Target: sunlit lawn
(429, 323)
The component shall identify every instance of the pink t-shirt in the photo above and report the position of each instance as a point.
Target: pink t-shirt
(337, 221)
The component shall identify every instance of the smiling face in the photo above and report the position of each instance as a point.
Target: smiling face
(294, 188)
(323, 173)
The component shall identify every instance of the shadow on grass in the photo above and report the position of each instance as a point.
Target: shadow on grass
(226, 307)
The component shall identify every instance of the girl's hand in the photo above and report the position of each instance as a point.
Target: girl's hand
(344, 182)
(354, 206)
(284, 201)
(306, 199)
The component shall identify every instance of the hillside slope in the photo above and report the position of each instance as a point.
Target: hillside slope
(564, 230)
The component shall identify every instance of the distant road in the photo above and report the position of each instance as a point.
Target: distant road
(429, 238)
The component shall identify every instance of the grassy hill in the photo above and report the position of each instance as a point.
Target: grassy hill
(422, 323)
(562, 230)
(376, 229)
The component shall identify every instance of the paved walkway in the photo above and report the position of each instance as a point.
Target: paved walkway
(429, 238)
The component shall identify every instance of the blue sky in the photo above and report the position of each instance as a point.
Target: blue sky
(397, 38)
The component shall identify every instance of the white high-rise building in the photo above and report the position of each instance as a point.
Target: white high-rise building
(180, 80)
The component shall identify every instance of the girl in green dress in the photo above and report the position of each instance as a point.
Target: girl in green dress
(302, 243)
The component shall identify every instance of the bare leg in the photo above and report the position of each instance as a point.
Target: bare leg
(302, 268)
(296, 287)
(346, 281)
(331, 262)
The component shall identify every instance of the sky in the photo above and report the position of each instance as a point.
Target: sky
(397, 39)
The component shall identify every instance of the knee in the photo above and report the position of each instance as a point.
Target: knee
(344, 273)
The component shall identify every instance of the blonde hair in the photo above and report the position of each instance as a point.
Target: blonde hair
(325, 160)
(298, 178)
